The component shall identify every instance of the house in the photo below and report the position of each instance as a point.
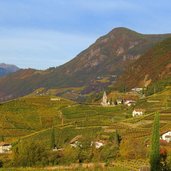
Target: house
(138, 112)
(75, 142)
(166, 136)
(55, 99)
(5, 147)
(129, 102)
(136, 89)
(119, 101)
(97, 144)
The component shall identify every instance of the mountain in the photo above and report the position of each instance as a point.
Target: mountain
(93, 69)
(155, 65)
(6, 69)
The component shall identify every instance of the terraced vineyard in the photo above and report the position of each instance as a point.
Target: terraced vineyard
(33, 114)
(32, 118)
(29, 114)
(160, 102)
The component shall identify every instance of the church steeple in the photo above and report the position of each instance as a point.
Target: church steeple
(104, 99)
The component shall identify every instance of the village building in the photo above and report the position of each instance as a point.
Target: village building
(166, 136)
(136, 89)
(138, 112)
(75, 142)
(129, 102)
(104, 100)
(97, 144)
(5, 147)
(119, 101)
(55, 99)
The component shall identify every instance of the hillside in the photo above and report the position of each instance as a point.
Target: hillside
(155, 65)
(33, 116)
(30, 118)
(95, 68)
(6, 69)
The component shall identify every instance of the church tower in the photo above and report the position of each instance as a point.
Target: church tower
(104, 99)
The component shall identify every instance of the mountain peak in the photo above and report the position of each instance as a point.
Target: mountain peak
(5, 69)
(94, 69)
(10, 67)
(123, 30)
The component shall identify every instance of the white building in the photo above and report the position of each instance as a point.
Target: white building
(104, 100)
(129, 102)
(119, 101)
(5, 147)
(97, 144)
(55, 99)
(137, 112)
(137, 89)
(166, 136)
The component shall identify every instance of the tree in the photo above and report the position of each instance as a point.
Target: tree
(132, 148)
(155, 144)
(2, 138)
(117, 139)
(84, 150)
(108, 152)
(164, 166)
(53, 141)
(29, 153)
(1, 163)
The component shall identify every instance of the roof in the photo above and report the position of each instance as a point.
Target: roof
(4, 144)
(139, 110)
(78, 137)
(165, 132)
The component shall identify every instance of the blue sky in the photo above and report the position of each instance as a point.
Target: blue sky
(45, 33)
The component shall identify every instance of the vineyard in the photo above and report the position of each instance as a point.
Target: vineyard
(31, 118)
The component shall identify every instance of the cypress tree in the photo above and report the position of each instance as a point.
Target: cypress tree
(155, 144)
(53, 144)
(2, 138)
(116, 139)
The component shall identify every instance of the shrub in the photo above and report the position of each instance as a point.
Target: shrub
(30, 154)
(109, 152)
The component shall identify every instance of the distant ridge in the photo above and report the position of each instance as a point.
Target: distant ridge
(7, 68)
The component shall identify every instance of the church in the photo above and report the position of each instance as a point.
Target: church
(105, 101)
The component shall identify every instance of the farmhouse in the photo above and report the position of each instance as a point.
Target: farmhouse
(75, 142)
(129, 102)
(5, 147)
(137, 112)
(166, 136)
(137, 89)
(55, 99)
(119, 101)
(97, 144)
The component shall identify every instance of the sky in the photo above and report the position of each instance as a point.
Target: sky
(47, 33)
